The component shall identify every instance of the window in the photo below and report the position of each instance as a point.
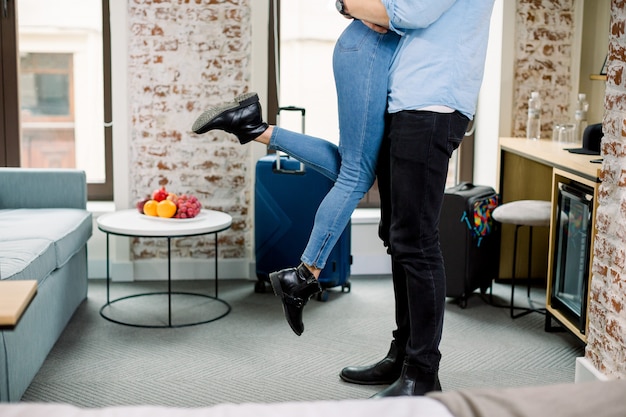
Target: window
(56, 98)
(47, 111)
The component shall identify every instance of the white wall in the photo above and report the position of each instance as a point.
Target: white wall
(495, 102)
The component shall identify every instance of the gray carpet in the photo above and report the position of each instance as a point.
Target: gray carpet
(251, 355)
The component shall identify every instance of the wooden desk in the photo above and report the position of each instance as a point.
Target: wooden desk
(553, 155)
(14, 298)
(531, 170)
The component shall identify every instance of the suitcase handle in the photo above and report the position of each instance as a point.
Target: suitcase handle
(292, 108)
(466, 186)
(278, 168)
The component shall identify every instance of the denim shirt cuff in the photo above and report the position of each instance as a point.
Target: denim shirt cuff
(390, 7)
(398, 31)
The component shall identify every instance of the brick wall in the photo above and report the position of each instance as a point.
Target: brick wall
(606, 347)
(544, 30)
(185, 55)
(544, 33)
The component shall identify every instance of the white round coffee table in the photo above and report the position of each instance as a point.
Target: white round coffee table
(131, 223)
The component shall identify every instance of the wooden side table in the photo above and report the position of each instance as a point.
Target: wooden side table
(15, 296)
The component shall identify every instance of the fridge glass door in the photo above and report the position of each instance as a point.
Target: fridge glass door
(569, 290)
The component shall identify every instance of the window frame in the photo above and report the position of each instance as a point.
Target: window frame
(9, 98)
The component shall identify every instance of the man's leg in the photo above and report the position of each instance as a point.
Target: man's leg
(421, 144)
(389, 368)
(401, 334)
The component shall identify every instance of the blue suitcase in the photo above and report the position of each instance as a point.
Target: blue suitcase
(284, 220)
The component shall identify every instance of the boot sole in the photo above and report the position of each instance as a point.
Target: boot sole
(354, 381)
(243, 100)
(278, 291)
(247, 98)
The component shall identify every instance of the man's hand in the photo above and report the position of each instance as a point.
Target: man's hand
(375, 27)
(371, 11)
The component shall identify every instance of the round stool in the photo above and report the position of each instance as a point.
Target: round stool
(530, 213)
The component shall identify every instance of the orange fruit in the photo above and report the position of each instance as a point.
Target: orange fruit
(150, 208)
(166, 208)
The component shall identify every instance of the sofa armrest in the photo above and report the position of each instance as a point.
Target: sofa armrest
(42, 188)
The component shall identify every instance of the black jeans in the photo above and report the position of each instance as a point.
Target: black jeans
(412, 172)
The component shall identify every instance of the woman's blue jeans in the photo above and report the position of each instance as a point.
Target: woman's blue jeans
(361, 63)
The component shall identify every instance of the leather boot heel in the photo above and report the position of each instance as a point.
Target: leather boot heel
(412, 382)
(295, 286)
(246, 99)
(386, 371)
(242, 118)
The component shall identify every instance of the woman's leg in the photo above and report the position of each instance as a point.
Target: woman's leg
(361, 62)
(243, 118)
(316, 153)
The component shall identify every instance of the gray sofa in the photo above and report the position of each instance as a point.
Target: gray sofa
(44, 228)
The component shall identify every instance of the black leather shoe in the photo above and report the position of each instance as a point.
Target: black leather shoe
(294, 286)
(412, 382)
(386, 371)
(241, 117)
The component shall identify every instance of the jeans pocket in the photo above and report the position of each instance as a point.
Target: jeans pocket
(354, 36)
(458, 126)
(453, 144)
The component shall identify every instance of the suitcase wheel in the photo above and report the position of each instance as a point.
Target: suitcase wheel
(322, 296)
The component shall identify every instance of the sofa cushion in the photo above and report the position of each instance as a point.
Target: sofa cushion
(27, 259)
(66, 229)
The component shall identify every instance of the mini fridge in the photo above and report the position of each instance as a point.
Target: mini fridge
(570, 276)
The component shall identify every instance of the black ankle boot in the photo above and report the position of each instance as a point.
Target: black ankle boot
(294, 286)
(383, 372)
(412, 381)
(241, 117)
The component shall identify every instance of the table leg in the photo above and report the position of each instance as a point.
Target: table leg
(216, 294)
(169, 282)
(169, 292)
(108, 272)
